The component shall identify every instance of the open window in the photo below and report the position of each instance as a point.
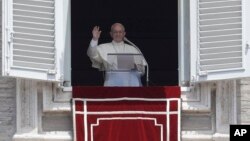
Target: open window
(33, 39)
(36, 38)
(36, 35)
(219, 39)
(152, 25)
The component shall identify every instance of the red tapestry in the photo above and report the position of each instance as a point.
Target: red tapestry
(126, 113)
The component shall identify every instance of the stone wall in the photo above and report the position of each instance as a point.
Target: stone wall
(243, 101)
(7, 108)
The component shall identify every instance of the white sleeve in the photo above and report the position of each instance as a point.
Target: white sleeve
(93, 43)
(92, 51)
(94, 55)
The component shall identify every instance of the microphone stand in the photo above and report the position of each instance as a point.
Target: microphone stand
(147, 74)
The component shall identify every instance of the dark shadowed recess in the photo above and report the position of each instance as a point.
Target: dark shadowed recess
(151, 24)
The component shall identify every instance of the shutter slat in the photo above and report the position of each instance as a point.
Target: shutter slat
(220, 38)
(221, 61)
(34, 42)
(33, 25)
(36, 2)
(33, 19)
(220, 26)
(220, 21)
(32, 47)
(220, 9)
(34, 30)
(220, 32)
(220, 15)
(34, 36)
(33, 13)
(220, 43)
(221, 66)
(33, 53)
(219, 3)
(32, 65)
(220, 49)
(220, 55)
(33, 8)
(33, 59)
(213, 0)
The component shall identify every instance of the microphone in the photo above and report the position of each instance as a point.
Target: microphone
(137, 48)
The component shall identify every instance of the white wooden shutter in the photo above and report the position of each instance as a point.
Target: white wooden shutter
(1, 37)
(219, 39)
(32, 39)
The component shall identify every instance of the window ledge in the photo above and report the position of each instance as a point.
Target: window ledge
(46, 136)
(197, 99)
(56, 100)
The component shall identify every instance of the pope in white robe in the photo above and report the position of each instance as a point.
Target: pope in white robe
(100, 59)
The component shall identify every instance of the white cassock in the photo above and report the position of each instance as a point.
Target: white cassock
(99, 57)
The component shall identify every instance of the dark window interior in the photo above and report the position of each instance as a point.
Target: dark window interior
(151, 24)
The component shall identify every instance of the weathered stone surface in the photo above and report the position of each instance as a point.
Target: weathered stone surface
(7, 108)
(244, 101)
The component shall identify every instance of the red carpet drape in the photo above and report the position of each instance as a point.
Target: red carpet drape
(126, 113)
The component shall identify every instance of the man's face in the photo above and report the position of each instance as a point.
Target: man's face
(117, 33)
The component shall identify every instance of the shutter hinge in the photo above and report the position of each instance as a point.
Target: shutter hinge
(10, 34)
(197, 67)
(51, 72)
(61, 82)
(192, 81)
(247, 47)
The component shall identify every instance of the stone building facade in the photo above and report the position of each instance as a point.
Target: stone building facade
(34, 110)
